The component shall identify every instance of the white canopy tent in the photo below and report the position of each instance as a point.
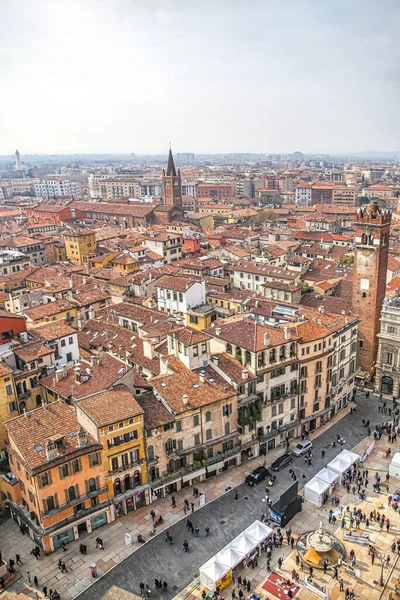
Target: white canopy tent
(327, 476)
(343, 462)
(315, 489)
(233, 553)
(394, 467)
(211, 572)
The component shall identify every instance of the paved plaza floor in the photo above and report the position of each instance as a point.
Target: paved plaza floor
(225, 516)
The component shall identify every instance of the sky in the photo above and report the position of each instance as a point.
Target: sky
(208, 76)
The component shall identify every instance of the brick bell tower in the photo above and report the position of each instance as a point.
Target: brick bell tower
(372, 228)
(171, 183)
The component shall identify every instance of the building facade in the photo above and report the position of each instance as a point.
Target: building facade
(387, 376)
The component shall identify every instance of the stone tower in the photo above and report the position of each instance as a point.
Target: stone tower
(372, 228)
(171, 182)
(17, 161)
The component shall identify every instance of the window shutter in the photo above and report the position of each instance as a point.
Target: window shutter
(126, 437)
(87, 486)
(90, 461)
(174, 443)
(50, 479)
(80, 463)
(39, 481)
(98, 486)
(44, 506)
(60, 472)
(77, 490)
(66, 495)
(55, 500)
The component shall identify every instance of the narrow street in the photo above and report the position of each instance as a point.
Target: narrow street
(226, 518)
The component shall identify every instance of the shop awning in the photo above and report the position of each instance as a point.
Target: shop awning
(193, 475)
(215, 466)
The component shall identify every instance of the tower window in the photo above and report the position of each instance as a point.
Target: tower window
(361, 343)
(364, 295)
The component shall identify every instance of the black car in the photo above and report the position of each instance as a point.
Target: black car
(257, 475)
(281, 462)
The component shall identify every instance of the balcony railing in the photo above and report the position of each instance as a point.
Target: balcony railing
(126, 467)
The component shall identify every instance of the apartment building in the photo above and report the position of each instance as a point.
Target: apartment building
(387, 377)
(60, 338)
(80, 245)
(115, 419)
(251, 275)
(217, 191)
(167, 245)
(55, 187)
(57, 490)
(179, 294)
(343, 196)
(303, 194)
(119, 187)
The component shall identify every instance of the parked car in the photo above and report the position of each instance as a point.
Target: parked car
(302, 448)
(259, 474)
(281, 462)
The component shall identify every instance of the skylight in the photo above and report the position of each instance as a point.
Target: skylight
(71, 433)
(38, 447)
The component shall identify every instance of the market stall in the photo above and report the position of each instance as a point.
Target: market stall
(394, 467)
(315, 490)
(342, 463)
(217, 572)
(327, 476)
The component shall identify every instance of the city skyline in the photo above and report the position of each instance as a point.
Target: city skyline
(135, 77)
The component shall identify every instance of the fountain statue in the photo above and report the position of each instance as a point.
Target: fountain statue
(319, 546)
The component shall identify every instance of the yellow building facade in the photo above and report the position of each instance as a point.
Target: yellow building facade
(79, 244)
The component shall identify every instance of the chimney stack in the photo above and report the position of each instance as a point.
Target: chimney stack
(202, 378)
(82, 438)
(78, 376)
(215, 359)
(185, 398)
(218, 331)
(321, 309)
(266, 339)
(245, 374)
(287, 332)
(51, 450)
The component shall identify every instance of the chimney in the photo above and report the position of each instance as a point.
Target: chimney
(82, 438)
(78, 376)
(51, 450)
(95, 361)
(245, 374)
(266, 339)
(150, 303)
(64, 370)
(59, 374)
(44, 403)
(91, 312)
(215, 359)
(287, 332)
(185, 398)
(80, 320)
(218, 331)
(84, 280)
(321, 309)
(346, 320)
(202, 378)
(70, 282)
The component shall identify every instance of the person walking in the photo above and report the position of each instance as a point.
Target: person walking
(323, 453)
(29, 576)
(341, 585)
(173, 502)
(64, 547)
(141, 588)
(44, 590)
(280, 562)
(236, 495)
(186, 546)
(147, 590)
(36, 581)
(207, 531)
(165, 586)
(18, 559)
(196, 532)
(63, 567)
(192, 507)
(248, 586)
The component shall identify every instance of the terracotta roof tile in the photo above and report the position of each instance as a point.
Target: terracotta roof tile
(111, 406)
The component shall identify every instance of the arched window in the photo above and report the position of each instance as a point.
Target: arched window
(238, 354)
(76, 466)
(229, 348)
(136, 478)
(272, 355)
(170, 444)
(71, 493)
(22, 406)
(92, 484)
(150, 453)
(38, 400)
(261, 359)
(208, 416)
(50, 503)
(208, 434)
(127, 483)
(227, 428)
(171, 465)
(247, 357)
(117, 487)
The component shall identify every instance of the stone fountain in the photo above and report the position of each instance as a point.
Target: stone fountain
(319, 546)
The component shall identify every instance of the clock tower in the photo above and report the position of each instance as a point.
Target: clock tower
(171, 183)
(372, 227)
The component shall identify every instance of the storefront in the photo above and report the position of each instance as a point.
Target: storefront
(214, 469)
(65, 537)
(131, 500)
(98, 520)
(193, 478)
(167, 488)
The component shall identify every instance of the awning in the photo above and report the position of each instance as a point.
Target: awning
(215, 466)
(159, 487)
(193, 475)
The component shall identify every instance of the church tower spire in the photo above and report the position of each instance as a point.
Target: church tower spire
(172, 184)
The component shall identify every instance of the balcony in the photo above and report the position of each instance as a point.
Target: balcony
(153, 461)
(219, 456)
(126, 467)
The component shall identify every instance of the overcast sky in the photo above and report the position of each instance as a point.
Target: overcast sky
(205, 75)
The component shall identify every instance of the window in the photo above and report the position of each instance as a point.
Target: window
(70, 340)
(71, 492)
(63, 343)
(273, 411)
(261, 359)
(50, 503)
(229, 348)
(180, 445)
(342, 354)
(69, 357)
(114, 464)
(208, 416)
(76, 466)
(92, 485)
(292, 403)
(360, 343)
(208, 434)
(9, 390)
(12, 406)
(272, 355)
(196, 439)
(195, 350)
(247, 357)
(195, 420)
(193, 319)
(227, 428)
(204, 347)
(94, 459)
(64, 471)
(44, 479)
(388, 360)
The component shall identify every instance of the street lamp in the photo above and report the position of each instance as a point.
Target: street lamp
(382, 559)
(268, 503)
